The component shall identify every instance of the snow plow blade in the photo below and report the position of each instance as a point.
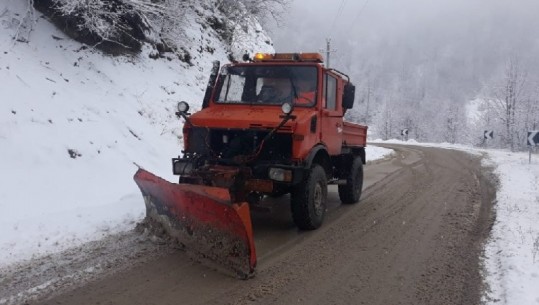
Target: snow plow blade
(202, 218)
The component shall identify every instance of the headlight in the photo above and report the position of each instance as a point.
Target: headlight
(280, 174)
(287, 108)
(183, 107)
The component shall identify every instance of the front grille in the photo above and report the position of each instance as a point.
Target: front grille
(227, 144)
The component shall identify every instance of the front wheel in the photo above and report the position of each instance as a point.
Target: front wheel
(308, 200)
(350, 192)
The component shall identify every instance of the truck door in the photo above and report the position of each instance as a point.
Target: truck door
(331, 114)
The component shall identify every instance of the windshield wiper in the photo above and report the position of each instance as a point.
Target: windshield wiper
(291, 79)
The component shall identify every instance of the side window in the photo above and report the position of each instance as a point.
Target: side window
(330, 92)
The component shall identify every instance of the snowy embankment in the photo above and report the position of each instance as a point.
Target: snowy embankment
(512, 254)
(73, 123)
(511, 258)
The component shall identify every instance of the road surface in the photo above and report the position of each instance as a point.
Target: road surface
(416, 237)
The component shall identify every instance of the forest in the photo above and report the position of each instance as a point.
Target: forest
(445, 70)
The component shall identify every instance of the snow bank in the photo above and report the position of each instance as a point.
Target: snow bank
(512, 253)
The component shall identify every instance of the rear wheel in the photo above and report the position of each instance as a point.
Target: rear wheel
(351, 191)
(308, 200)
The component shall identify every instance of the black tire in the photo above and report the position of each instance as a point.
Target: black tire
(350, 192)
(308, 199)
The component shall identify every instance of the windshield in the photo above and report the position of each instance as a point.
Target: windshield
(265, 85)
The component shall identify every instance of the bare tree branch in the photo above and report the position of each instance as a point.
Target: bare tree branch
(26, 24)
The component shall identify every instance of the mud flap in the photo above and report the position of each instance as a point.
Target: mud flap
(202, 218)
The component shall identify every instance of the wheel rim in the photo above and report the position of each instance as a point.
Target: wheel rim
(317, 200)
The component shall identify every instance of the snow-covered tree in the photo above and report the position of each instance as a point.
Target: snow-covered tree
(123, 26)
(265, 11)
(531, 111)
(507, 103)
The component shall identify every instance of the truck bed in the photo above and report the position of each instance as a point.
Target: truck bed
(354, 135)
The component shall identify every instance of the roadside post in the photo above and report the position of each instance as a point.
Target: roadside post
(533, 141)
(488, 135)
(404, 134)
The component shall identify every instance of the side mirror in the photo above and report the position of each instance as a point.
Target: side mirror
(211, 83)
(348, 96)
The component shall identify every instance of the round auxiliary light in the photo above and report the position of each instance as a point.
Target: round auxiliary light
(183, 106)
(286, 108)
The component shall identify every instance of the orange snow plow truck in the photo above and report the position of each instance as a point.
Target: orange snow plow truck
(269, 126)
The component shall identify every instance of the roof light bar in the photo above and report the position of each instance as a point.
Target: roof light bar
(314, 57)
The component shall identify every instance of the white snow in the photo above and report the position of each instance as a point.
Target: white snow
(375, 152)
(512, 254)
(113, 112)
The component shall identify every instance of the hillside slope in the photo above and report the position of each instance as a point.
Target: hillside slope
(73, 122)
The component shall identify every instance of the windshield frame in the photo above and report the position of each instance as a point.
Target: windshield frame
(250, 88)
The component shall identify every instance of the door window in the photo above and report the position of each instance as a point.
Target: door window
(330, 92)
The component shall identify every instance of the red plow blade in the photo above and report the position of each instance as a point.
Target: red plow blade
(202, 218)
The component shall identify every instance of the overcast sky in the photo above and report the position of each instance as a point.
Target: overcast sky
(416, 31)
